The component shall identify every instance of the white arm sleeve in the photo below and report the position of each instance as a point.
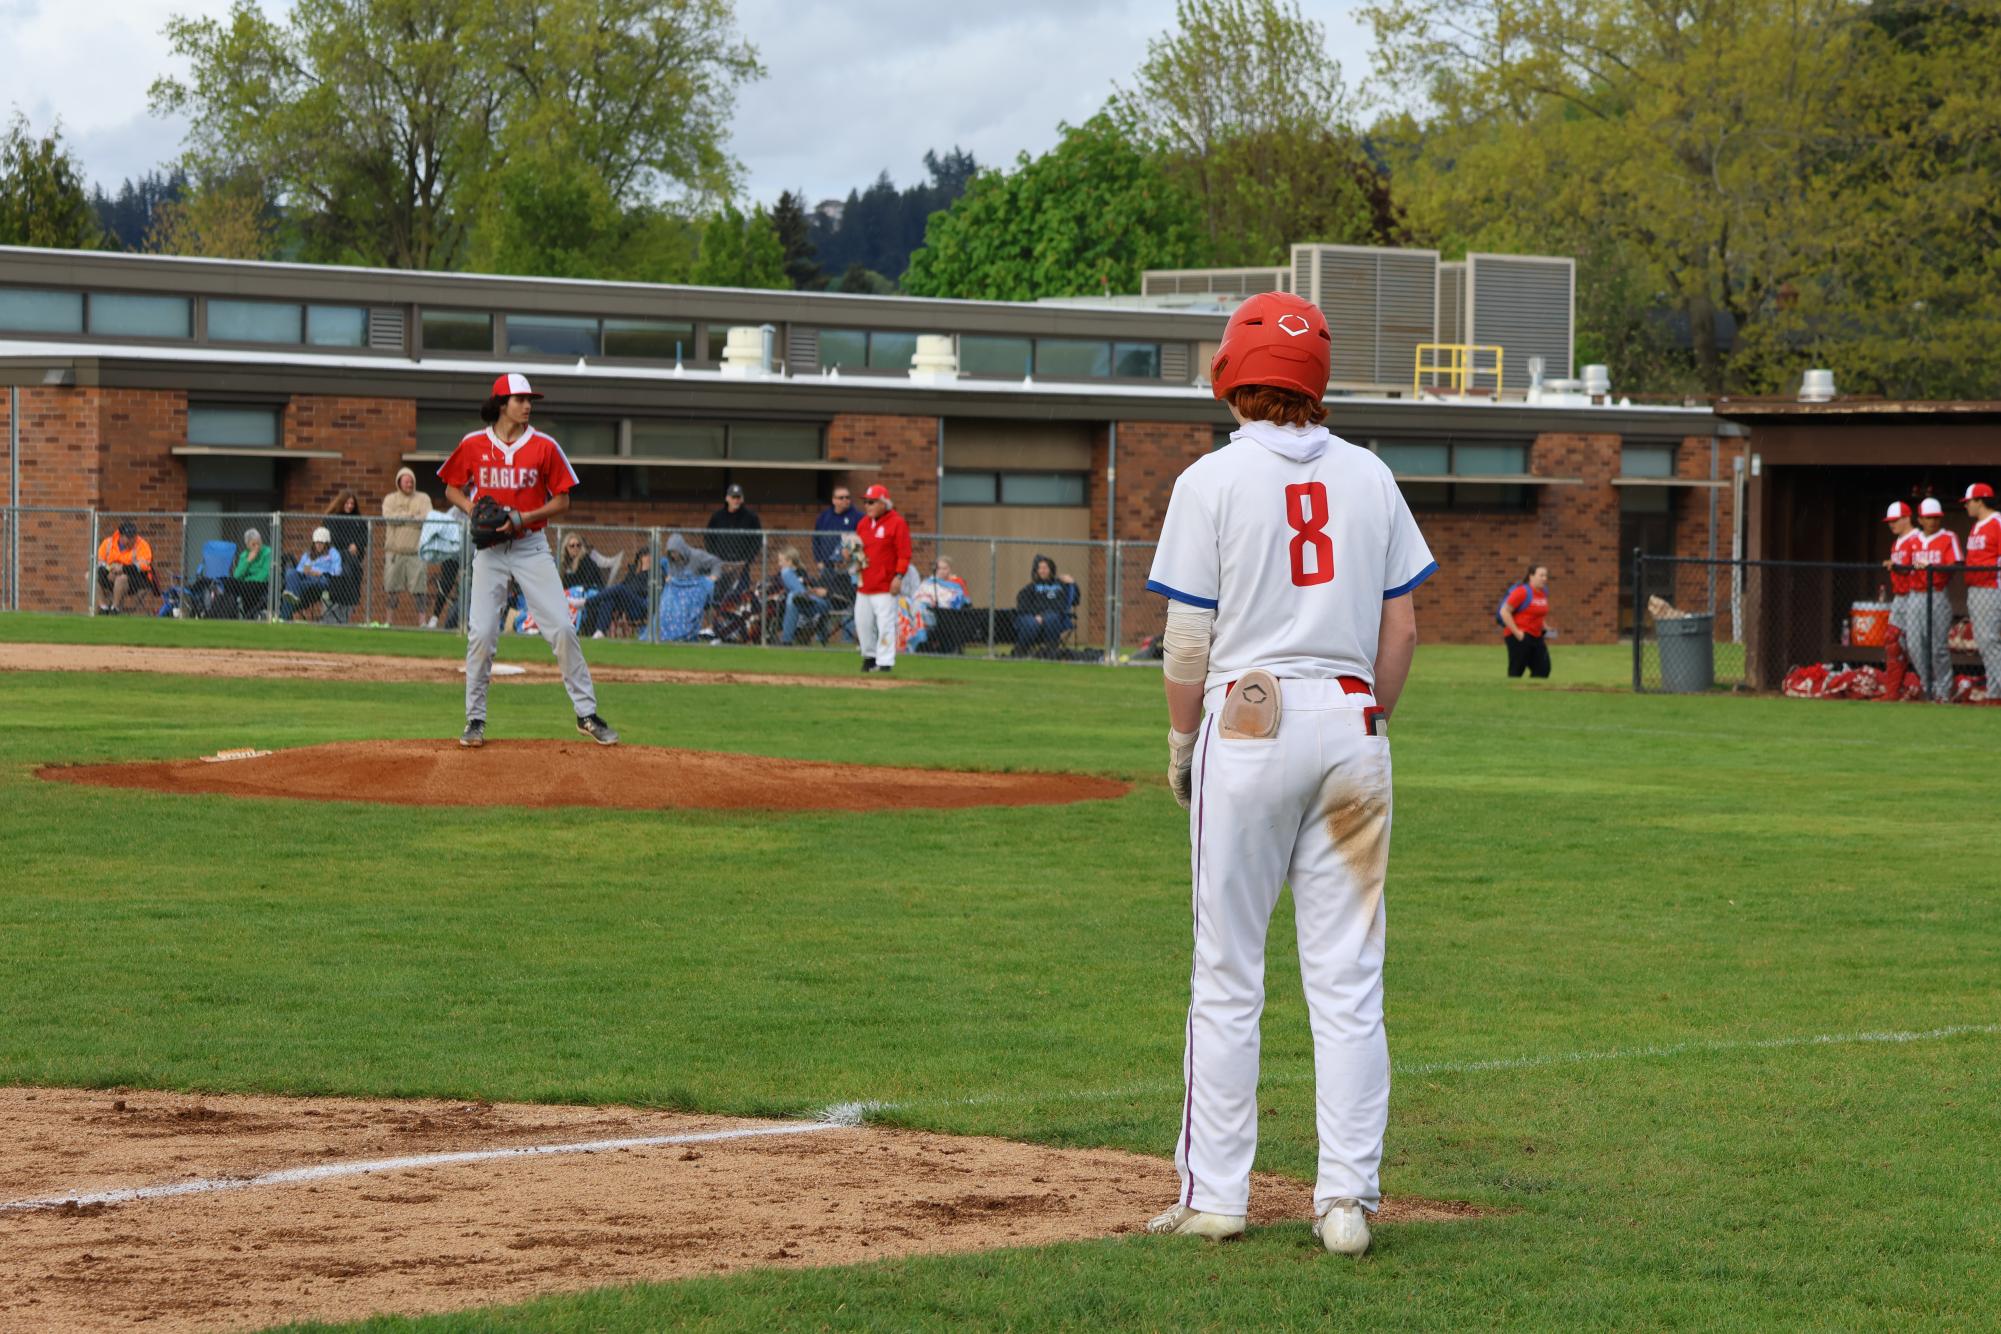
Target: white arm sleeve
(1184, 648)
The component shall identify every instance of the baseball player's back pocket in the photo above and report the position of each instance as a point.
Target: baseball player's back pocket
(1251, 711)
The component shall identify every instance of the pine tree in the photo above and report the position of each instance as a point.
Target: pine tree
(788, 219)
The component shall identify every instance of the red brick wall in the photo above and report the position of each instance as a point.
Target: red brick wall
(1573, 529)
(907, 449)
(1691, 520)
(138, 429)
(1151, 456)
(372, 435)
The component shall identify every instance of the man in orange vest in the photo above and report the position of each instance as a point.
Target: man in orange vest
(124, 565)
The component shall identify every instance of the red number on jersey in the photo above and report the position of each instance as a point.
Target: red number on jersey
(1306, 512)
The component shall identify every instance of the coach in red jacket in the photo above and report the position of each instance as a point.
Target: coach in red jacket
(885, 560)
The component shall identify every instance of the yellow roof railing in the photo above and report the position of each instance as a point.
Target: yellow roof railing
(1457, 368)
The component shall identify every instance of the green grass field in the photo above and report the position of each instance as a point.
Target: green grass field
(1704, 995)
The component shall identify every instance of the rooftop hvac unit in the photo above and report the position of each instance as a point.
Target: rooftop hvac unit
(1452, 301)
(1527, 305)
(1380, 304)
(1223, 282)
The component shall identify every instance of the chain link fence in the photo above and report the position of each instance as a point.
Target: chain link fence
(1814, 630)
(991, 597)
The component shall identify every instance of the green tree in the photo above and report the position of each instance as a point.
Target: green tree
(222, 220)
(557, 218)
(383, 123)
(42, 198)
(1251, 116)
(788, 218)
(741, 251)
(1692, 151)
(1085, 218)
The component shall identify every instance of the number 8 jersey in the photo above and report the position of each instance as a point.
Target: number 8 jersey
(1296, 538)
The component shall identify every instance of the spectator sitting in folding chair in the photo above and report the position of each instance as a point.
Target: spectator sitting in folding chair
(683, 599)
(804, 602)
(308, 582)
(208, 592)
(625, 599)
(124, 568)
(248, 587)
(1044, 610)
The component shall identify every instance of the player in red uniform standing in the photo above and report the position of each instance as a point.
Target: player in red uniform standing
(1523, 612)
(1905, 539)
(886, 556)
(1983, 591)
(526, 472)
(1931, 605)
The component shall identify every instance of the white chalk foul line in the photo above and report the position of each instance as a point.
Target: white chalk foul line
(293, 1176)
(856, 1111)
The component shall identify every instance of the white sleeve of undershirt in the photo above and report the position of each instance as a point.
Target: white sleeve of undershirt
(1184, 648)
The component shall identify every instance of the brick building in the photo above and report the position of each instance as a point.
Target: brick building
(142, 383)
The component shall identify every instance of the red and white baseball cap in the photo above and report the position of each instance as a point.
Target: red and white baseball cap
(1898, 510)
(1978, 491)
(876, 492)
(512, 383)
(1929, 508)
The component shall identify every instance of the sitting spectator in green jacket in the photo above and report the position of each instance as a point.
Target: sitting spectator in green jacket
(249, 584)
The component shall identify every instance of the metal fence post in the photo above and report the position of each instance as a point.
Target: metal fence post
(90, 565)
(1111, 603)
(464, 522)
(653, 567)
(993, 591)
(277, 580)
(1639, 613)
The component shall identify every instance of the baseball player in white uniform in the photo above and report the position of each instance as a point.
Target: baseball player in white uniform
(1288, 558)
(525, 471)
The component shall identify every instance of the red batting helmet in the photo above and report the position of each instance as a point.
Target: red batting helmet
(1278, 339)
(876, 492)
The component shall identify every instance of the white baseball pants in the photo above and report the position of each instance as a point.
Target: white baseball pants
(528, 562)
(875, 627)
(1984, 606)
(1310, 806)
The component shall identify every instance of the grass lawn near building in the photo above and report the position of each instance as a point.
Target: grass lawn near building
(1697, 994)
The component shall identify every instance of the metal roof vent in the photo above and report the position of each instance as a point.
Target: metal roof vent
(1817, 387)
(1598, 381)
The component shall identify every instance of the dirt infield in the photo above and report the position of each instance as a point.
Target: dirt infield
(258, 664)
(579, 773)
(442, 1237)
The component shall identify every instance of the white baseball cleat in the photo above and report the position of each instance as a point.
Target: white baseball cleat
(1182, 1221)
(1344, 1228)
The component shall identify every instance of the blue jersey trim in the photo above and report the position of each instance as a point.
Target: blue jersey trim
(1155, 586)
(1410, 587)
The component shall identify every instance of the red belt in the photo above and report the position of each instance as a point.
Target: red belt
(1350, 685)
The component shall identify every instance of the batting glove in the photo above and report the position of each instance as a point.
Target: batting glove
(1181, 765)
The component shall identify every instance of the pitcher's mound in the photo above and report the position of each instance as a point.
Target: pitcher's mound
(578, 773)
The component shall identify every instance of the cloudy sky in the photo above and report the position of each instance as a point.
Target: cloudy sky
(853, 86)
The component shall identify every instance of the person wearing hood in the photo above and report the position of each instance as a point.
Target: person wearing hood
(684, 559)
(1044, 609)
(405, 508)
(1288, 558)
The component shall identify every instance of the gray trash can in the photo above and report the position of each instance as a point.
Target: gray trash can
(1688, 654)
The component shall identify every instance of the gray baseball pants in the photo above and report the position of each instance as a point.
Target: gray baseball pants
(1984, 606)
(529, 563)
(1926, 642)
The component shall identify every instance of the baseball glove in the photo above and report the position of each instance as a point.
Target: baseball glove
(492, 523)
